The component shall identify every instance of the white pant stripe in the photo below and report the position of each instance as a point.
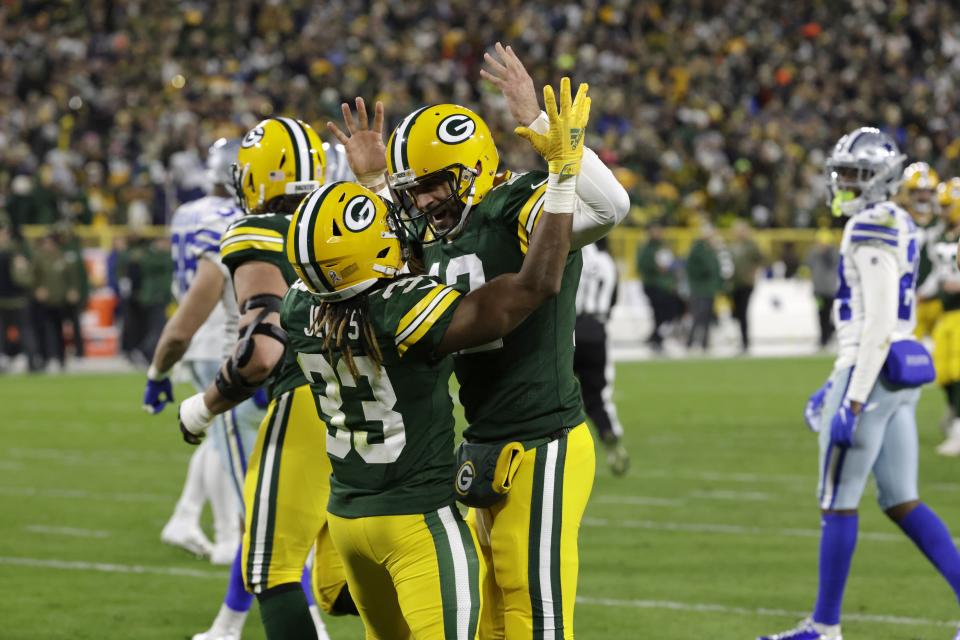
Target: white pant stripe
(546, 540)
(461, 572)
(266, 482)
(607, 393)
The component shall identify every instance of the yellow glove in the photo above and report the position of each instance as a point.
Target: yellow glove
(562, 146)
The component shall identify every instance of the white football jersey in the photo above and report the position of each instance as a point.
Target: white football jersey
(881, 224)
(196, 229)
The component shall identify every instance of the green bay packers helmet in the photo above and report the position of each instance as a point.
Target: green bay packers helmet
(948, 197)
(920, 183)
(278, 157)
(343, 239)
(443, 143)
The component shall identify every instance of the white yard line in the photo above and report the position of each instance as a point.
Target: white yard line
(97, 457)
(719, 476)
(743, 611)
(645, 501)
(726, 529)
(79, 494)
(697, 607)
(66, 531)
(103, 567)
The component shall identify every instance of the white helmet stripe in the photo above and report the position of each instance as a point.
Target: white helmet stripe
(302, 148)
(303, 239)
(399, 140)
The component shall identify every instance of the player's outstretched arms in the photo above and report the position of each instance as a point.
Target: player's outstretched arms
(496, 308)
(260, 287)
(602, 201)
(366, 153)
(197, 305)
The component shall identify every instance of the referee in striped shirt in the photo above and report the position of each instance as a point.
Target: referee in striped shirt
(592, 364)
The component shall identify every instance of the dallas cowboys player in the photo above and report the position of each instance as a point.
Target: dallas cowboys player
(869, 403)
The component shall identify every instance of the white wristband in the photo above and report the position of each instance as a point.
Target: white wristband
(155, 374)
(372, 180)
(194, 415)
(561, 196)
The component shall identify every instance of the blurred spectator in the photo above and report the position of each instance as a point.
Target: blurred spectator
(56, 287)
(148, 271)
(708, 107)
(823, 260)
(655, 265)
(789, 260)
(73, 252)
(703, 275)
(747, 261)
(15, 281)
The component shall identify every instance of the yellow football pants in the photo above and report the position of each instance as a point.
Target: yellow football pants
(529, 542)
(928, 313)
(285, 496)
(412, 576)
(946, 348)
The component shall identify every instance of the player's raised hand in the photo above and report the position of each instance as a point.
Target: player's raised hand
(510, 76)
(158, 393)
(363, 143)
(562, 146)
(813, 410)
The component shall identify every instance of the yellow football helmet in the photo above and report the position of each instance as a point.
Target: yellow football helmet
(948, 196)
(920, 183)
(342, 239)
(278, 157)
(442, 143)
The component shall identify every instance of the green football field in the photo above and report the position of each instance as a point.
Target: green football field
(713, 534)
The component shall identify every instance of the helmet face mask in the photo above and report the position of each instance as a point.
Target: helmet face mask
(444, 215)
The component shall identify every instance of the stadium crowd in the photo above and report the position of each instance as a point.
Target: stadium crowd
(703, 107)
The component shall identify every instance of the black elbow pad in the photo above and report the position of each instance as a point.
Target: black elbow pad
(230, 382)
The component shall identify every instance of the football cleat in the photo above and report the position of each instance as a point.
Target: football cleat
(188, 537)
(807, 630)
(223, 553)
(214, 634)
(951, 446)
(957, 637)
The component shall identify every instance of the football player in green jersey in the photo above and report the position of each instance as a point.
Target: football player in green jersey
(376, 345)
(280, 161)
(475, 224)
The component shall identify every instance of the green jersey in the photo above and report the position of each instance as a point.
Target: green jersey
(930, 236)
(521, 387)
(260, 238)
(390, 430)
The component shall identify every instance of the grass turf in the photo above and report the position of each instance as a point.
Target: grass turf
(713, 534)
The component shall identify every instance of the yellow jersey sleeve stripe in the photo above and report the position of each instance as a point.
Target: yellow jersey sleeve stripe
(411, 315)
(256, 231)
(259, 245)
(426, 319)
(529, 215)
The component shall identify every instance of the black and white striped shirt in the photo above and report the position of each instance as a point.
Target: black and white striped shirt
(598, 283)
